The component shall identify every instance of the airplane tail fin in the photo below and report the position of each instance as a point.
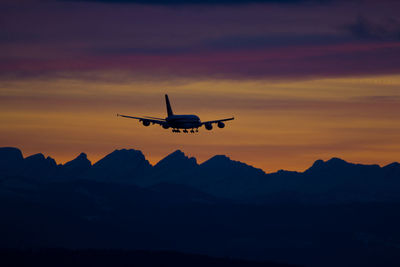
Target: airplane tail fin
(169, 109)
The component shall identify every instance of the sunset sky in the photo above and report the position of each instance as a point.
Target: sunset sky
(305, 80)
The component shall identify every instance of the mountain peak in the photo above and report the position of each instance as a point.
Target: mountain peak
(39, 158)
(392, 165)
(10, 153)
(10, 150)
(78, 165)
(124, 154)
(51, 160)
(81, 160)
(122, 157)
(34, 157)
(219, 159)
(10, 159)
(392, 169)
(223, 161)
(177, 159)
(39, 164)
(318, 163)
(334, 162)
(177, 154)
(121, 164)
(337, 161)
(82, 156)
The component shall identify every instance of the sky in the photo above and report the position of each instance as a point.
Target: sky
(304, 79)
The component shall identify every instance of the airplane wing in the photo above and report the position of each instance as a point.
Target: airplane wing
(216, 121)
(154, 121)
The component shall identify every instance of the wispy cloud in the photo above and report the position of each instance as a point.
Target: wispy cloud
(158, 42)
(387, 29)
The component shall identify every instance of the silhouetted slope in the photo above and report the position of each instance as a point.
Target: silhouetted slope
(332, 181)
(38, 165)
(10, 160)
(339, 180)
(224, 177)
(219, 175)
(174, 168)
(176, 160)
(76, 167)
(125, 165)
(229, 168)
(341, 169)
(392, 170)
(334, 214)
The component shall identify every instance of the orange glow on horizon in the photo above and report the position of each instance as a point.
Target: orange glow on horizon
(278, 125)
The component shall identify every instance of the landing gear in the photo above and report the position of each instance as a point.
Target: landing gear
(185, 130)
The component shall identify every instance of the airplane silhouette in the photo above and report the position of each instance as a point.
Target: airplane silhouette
(177, 122)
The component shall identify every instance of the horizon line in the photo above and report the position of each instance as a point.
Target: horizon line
(197, 162)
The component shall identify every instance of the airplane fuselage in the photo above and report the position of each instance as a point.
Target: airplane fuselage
(177, 122)
(183, 121)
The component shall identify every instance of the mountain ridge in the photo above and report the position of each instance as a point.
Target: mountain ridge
(334, 180)
(335, 213)
(18, 154)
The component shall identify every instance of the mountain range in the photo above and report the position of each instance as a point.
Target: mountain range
(335, 213)
(332, 181)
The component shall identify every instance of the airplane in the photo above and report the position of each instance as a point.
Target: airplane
(177, 122)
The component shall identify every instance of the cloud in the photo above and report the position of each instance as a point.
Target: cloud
(280, 62)
(384, 30)
(272, 40)
(159, 42)
(238, 43)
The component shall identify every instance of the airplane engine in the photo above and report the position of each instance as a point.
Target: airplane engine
(165, 126)
(208, 126)
(146, 122)
(221, 124)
